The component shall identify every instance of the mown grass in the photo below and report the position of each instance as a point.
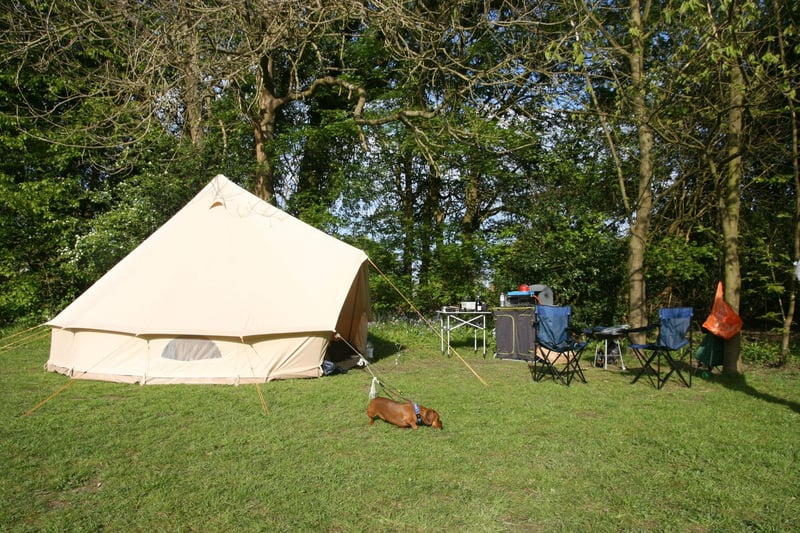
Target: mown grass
(513, 456)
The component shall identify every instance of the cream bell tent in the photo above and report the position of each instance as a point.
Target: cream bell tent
(229, 290)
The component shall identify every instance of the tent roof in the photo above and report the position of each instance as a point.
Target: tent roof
(227, 264)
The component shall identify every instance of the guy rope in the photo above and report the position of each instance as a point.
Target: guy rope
(427, 322)
(391, 392)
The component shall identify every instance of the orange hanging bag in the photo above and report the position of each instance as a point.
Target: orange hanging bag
(723, 321)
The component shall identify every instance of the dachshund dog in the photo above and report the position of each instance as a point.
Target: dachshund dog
(403, 415)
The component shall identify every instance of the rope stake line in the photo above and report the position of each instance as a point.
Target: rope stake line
(27, 339)
(427, 322)
(43, 402)
(375, 380)
(261, 399)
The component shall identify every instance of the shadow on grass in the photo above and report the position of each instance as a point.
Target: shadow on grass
(739, 384)
(383, 347)
(467, 347)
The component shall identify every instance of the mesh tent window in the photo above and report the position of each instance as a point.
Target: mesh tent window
(191, 349)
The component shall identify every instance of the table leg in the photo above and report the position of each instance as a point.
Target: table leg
(448, 335)
(441, 332)
(484, 337)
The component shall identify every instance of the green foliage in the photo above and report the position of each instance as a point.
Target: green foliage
(388, 288)
(678, 260)
(457, 278)
(678, 269)
(42, 202)
(583, 265)
(142, 204)
(569, 241)
(767, 266)
(765, 350)
(761, 353)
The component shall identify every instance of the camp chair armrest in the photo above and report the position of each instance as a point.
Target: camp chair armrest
(575, 330)
(649, 327)
(645, 346)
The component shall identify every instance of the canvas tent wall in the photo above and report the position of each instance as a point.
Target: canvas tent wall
(230, 290)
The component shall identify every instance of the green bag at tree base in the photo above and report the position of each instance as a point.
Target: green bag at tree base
(710, 351)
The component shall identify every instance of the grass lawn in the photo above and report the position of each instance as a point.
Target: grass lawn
(514, 455)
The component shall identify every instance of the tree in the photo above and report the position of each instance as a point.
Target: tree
(620, 49)
(728, 82)
(785, 29)
(48, 192)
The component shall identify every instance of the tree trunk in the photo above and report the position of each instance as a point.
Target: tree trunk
(637, 294)
(430, 228)
(193, 96)
(731, 200)
(264, 186)
(790, 100)
(404, 181)
(264, 131)
(471, 221)
(789, 318)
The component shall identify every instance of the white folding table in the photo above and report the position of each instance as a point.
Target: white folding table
(452, 320)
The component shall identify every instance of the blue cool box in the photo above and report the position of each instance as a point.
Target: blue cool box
(521, 293)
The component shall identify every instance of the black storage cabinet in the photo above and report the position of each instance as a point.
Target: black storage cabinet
(515, 332)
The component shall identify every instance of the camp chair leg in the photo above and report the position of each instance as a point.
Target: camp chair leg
(573, 368)
(543, 366)
(674, 363)
(655, 372)
(539, 370)
(673, 343)
(564, 367)
(534, 368)
(663, 380)
(647, 364)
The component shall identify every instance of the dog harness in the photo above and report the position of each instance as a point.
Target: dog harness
(416, 412)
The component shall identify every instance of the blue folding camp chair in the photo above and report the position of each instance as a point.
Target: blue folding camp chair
(672, 345)
(557, 354)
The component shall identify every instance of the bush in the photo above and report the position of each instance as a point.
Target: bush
(766, 352)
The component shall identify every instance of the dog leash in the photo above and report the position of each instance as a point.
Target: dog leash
(373, 389)
(391, 392)
(373, 393)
